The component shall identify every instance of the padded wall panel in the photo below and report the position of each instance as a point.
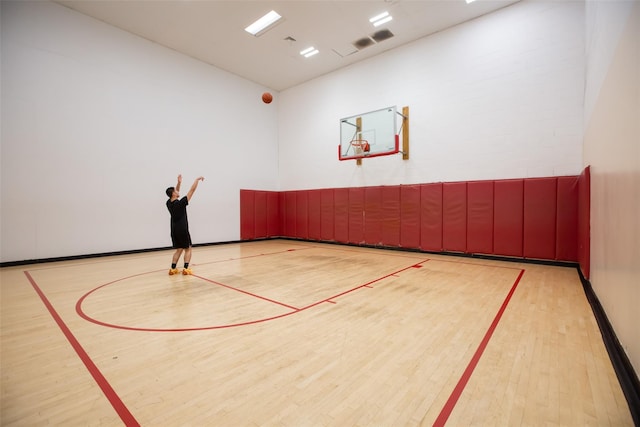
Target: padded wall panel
(290, 214)
(302, 214)
(247, 214)
(283, 213)
(480, 217)
(547, 216)
(584, 221)
(356, 215)
(391, 216)
(260, 225)
(273, 214)
(540, 209)
(567, 219)
(410, 216)
(454, 216)
(373, 215)
(431, 217)
(327, 215)
(341, 211)
(314, 214)
(507, 217)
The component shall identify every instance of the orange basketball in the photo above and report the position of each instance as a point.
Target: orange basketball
(267, 98)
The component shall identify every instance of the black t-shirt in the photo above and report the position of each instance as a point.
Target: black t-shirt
(178, 211)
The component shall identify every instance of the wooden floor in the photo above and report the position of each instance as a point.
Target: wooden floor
(287, 333)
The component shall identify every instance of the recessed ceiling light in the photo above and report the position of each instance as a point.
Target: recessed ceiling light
(382, 21)
(378, 17)
(310, 51)
(470, 1)
(263, 24)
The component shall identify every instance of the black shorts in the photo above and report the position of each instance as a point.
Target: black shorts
(181, 239)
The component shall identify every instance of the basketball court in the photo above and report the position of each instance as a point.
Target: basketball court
(292, 333)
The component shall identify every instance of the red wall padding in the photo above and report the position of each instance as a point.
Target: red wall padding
(247, 217)
(315, 213)
(282, 200)
(507, 217)
(542, 218)
(302, 215)
(273, 214)
(454, 216)
(356, 215)
(540, 210)
(567, 214)
(584, 221)
(391, 216)
(480, 217)
(410, 216)
(290, 213)
(341, 211)
(260, 205)
(259, 214)
(327, 215)
(431, 217)
(373, 215)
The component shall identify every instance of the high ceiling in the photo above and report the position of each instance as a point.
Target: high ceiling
(213, 31)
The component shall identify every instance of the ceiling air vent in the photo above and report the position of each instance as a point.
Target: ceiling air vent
(363, 42)
(381, 35)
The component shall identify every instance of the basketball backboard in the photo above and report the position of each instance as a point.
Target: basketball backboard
(369, 134)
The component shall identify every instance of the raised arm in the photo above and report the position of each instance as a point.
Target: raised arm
(179, 182)
(193, 187)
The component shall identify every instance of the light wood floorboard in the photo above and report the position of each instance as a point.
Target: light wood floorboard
(288, 333)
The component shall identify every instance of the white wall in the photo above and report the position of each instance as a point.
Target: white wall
(498, 97)
(612, 148)
(97, 123)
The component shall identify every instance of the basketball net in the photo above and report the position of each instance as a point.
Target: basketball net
(361, 147)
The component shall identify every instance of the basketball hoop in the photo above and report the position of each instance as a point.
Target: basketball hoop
(361, 147)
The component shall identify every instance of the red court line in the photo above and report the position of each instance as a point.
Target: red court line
(354, 249)
(457, 391)
(364, 285)
(251, 322)
(476, 263)
(246, 293)
(253, 256)
(102, 382)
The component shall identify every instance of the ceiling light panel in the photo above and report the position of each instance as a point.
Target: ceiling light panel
(310, 51)
(380, 19)
(263, 24)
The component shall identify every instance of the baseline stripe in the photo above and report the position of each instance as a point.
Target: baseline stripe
(102, 382)
(457, 391)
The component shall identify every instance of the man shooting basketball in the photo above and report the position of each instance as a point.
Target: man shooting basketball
(180, 236)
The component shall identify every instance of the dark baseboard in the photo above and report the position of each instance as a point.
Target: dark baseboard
(556, 263)
(100, 255)
(396, 248)
(621, 364)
